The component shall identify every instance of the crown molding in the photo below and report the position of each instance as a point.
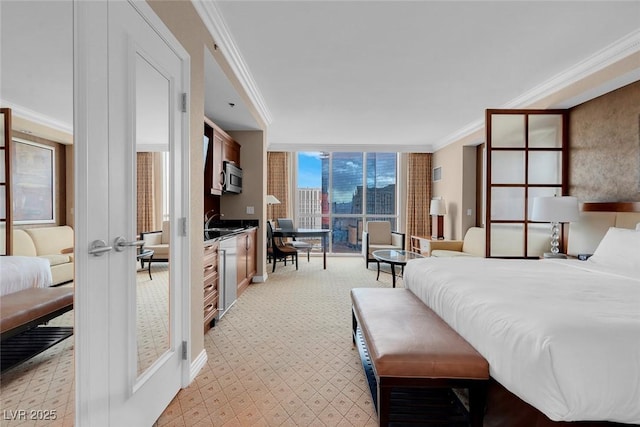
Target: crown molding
(217, 27)
(618, 50)
(461, 133)
(35, 117)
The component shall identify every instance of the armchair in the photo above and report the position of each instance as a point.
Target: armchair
(158, 241)
(377, 236)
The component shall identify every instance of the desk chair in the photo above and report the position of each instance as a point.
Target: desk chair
(286, 224)
(278, 250)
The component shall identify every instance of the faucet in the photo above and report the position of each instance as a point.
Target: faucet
(208, 219)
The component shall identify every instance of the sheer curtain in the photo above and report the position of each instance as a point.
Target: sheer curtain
(278, 183)
(418, 195)
(145, 186)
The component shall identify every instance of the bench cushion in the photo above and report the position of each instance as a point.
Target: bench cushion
(24, 306)
(405, 338)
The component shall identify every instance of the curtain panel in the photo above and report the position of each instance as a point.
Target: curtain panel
(418, 195)
(278, 183)
(145, 186)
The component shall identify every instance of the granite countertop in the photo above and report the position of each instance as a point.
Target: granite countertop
(222, 229)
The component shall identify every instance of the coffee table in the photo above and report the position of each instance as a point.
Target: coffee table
(146, 254)
(394, 257)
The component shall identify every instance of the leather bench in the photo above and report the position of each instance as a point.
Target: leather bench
(410, 346)
(28, 308)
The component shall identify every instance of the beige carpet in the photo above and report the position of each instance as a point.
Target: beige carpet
(46, 382)
(283, 354)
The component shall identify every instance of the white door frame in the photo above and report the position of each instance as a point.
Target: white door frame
(91, 124)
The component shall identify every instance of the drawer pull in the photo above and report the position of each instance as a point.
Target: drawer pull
(209, 308)
(208, 248)
(208, 288)
(209, 267)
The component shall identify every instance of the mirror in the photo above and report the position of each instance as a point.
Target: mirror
(152, 93)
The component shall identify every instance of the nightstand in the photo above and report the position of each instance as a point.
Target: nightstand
(422, 244)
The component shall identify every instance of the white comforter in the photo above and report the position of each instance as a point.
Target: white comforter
(22, 272)
(562, 336)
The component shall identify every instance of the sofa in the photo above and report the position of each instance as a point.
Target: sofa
(158, 241)
(48, 243)
(506, 241)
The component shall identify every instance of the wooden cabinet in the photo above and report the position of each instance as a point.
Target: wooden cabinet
(211, 280)
(421, 245)
(216, 165)
(221, 148)
(231, 151)
(247, 266)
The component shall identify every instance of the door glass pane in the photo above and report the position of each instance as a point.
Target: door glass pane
(152, 260)
(3, 178)
(507, 203)
(545, 131)
(538, 239)
(2, 130)
(507, 130)
(507, 240)
(545, 167)
(507, 167)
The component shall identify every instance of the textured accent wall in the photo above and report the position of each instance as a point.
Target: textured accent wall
(605, 147)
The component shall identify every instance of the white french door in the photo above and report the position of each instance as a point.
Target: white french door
(129, 78)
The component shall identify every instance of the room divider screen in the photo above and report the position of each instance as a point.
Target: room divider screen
(527, 157)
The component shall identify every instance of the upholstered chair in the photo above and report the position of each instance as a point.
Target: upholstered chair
(158, 241)
(378, 236)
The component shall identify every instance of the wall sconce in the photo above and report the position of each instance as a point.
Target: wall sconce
(437, 210)
(555, 210)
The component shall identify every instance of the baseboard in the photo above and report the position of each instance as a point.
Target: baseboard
(260, 279)
(197, 365)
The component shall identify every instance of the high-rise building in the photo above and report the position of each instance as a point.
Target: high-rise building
(309, 207)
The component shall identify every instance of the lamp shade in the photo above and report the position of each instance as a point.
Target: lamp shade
(555, 209)
(438, 207)
(272, 200)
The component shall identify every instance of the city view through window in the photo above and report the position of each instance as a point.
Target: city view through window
(342, 191)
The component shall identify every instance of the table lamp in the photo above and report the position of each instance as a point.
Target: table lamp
(437, 210)
(555, 210)
(271, 200)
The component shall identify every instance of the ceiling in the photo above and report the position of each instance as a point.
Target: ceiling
(413, 74)
(344, 75)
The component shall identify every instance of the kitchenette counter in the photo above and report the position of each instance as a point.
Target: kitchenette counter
(229, 265)
(220, 230)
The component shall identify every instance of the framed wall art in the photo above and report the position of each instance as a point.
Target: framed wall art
(33, 183)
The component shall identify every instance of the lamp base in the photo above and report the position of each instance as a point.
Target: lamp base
(552, 255)
(437, 227)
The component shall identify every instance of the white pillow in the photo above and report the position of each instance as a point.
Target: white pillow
(620, 249)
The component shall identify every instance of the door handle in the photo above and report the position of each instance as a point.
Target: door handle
(121, 244)
(99, 247)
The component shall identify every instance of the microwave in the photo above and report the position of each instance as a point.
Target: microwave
(232, 178)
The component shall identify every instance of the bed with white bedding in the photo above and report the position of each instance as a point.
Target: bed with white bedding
(562, 335)
(22, 272)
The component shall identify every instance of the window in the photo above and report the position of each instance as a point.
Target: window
(331, 193)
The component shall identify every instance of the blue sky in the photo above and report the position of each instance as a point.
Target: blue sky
(309, 170)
